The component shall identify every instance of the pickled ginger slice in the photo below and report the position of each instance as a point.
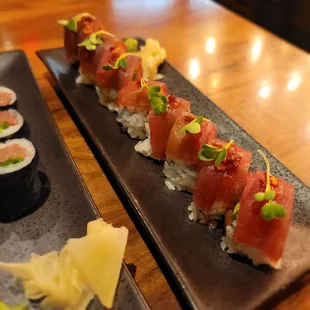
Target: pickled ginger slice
(84, 268)
(98, 257)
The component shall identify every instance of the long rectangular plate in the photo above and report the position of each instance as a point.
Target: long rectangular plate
(201, 274)
(66, 204)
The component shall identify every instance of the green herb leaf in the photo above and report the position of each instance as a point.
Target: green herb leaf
(236, 209)
(272, 210)
(259, 196)
(88, 45)
(12, 161)
(72, 24)
(158, 102)
(270, 195)
(107, 67)
(208, 153)
(221, 156)
(155, 88)
(122, 63)
(132, 45)
(158, 105)
(63, 22)
(193, 127)
(69, 23)
(164, 99)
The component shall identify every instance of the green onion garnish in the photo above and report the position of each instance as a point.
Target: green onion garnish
(12, 161)
(4, 125)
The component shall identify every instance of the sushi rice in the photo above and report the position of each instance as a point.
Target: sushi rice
(229, 246)
(83, 79)
(24, 143)
(12, 129)
(196, 215)
(134, 123)
(107, 97)
(179, 176)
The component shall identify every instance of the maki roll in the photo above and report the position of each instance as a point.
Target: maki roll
(10, 123)
(160, 121)
(133, 106)
(220, 182)
(259, 225)
(76, 30)
(7, 97)
(20, 186)
(188, 134)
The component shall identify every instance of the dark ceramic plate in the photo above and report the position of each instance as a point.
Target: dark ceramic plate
(66, 206)
(189, 254)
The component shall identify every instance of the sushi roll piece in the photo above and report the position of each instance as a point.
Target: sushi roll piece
(76, 30)
(10, 123)
(7, 98)
(259, 226)
(133, 105)
(220, 182)
(188, 134)
(96, 53)
(125, 69)
(160, 123)
(20, 186)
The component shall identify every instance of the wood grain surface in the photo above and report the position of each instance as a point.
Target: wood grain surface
(259, 80)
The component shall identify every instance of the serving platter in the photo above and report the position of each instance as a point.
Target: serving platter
(65, 206)
(199, 272)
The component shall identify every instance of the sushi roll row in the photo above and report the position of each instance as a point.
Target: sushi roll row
(255, 207)
(115, 67)
(20, 186)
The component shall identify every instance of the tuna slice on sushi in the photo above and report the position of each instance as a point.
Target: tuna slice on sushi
(220, 182)
(10, 123)
(160, 124)
(77, 30)
(260, 223)
(20, 186)
(186, 138)
(133, 105)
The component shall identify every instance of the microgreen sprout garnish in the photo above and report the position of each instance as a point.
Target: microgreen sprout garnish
(94, 40)
(158, 102)
(4, 125)
(132, 45)
(71, 24)
(194, 126)
(271, 209)
(120, 62)
(210, 153)
(12, 161)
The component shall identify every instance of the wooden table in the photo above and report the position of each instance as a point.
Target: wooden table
(259, 80)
